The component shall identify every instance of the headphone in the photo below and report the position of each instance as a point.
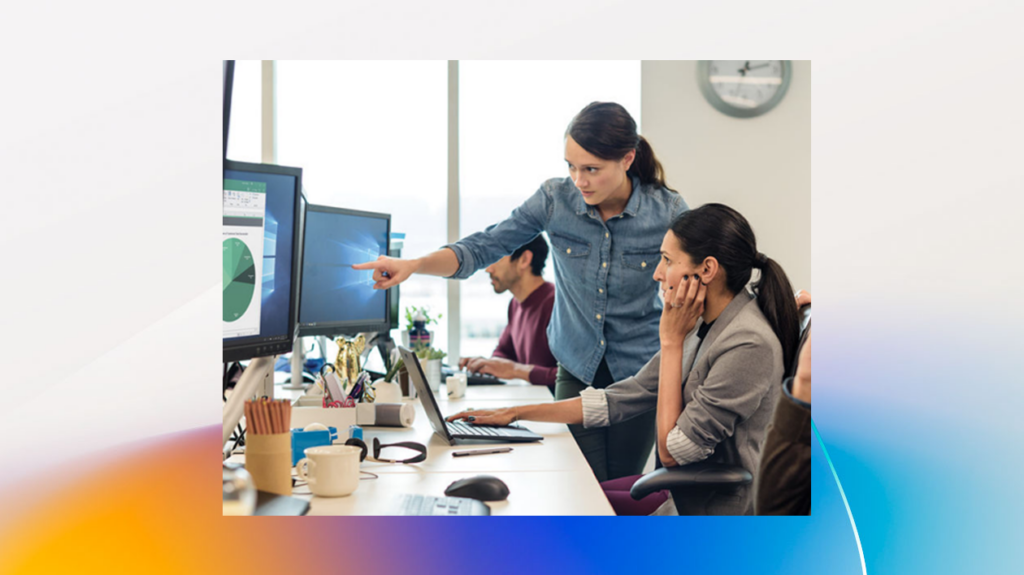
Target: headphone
(377, 446)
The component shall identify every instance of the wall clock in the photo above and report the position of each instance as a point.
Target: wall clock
(744, 88)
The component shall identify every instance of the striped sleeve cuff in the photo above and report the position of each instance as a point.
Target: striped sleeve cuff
(595, 407)
(682, 448)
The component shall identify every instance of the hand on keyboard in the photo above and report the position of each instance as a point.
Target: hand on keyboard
(481, 379)
(499, 417)
(497, 367)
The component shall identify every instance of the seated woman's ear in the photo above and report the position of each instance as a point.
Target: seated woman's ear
(708, 270)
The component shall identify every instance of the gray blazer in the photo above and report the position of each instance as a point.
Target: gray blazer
(729, 392)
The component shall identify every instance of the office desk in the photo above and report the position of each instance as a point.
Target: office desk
(514, 390)
(544, 478)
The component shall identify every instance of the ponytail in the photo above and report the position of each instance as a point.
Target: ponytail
(646, 166)
(778, 304)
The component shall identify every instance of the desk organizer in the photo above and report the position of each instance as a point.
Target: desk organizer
(303, 439)
(268, 459)
(340, 417)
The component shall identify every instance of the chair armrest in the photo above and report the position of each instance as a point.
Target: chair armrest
(703, 474)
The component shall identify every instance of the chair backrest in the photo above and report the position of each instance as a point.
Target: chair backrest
(805, 328)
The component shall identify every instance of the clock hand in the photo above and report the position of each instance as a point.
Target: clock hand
(749, 67)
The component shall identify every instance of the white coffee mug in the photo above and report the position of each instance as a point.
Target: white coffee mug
(456, 385)
(330, 470)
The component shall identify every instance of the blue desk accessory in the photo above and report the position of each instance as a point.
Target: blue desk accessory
(301, 440)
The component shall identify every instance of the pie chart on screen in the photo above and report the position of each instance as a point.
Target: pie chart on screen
(239, 278)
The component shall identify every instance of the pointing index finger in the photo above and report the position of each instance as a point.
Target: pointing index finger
(365, 266)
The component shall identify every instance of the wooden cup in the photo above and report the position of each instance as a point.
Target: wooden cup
(268, 458)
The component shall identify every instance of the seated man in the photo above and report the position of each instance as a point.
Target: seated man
(785, 475)
(522, 351)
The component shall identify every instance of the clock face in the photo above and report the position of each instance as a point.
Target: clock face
(744, 88)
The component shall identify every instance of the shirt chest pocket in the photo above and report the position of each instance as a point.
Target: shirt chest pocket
(644, 261)
(571, 250)
(637, 275)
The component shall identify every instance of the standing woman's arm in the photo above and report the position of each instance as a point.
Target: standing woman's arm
(389, 272)
(474, 252)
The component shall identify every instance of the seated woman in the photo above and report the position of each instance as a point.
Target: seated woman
(724, 349)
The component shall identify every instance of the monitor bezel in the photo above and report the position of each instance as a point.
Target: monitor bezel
(339, 328)
(259, 346)
(229, 83)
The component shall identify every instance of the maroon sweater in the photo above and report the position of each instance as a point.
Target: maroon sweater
(525, 338)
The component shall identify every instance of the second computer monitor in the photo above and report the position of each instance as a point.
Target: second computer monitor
(336, 299)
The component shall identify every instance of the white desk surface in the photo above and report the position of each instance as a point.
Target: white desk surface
(550, 477)
(530, 493)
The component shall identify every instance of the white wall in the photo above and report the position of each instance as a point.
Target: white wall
(759, 166)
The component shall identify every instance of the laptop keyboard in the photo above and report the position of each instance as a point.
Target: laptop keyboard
(430, 505)
(459, 428)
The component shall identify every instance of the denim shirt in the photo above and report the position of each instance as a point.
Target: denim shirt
(606, 301)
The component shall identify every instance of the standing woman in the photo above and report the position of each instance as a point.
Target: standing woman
(606, 222)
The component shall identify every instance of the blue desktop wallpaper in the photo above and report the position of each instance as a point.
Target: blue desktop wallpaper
(278, 237)
(331, 290)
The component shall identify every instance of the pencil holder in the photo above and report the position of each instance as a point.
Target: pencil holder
(268, 458)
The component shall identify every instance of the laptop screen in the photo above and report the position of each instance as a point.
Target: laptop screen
(423, 390)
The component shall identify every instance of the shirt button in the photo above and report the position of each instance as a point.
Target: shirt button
(599, 290)
(602, 342)
(598, 316)
(604, 264)
(568, 250)
(643, 264)
(606, 234)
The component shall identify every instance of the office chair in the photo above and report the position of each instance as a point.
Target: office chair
(706, 477)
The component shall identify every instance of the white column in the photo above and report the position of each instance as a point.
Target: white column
(454, 300)
(268, 113)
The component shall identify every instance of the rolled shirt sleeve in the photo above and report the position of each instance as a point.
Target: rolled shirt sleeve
(635, 395)
(623, 400)
(683, 450)
(479, 250)
(595, 407)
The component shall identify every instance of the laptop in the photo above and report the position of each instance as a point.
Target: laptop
(454, 431)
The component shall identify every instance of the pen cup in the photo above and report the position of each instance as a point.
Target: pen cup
(268, 458)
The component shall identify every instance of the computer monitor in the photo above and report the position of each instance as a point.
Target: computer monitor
(334, 298)
(229, 81)
(261, 228)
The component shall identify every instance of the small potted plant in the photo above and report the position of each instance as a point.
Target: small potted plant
(414, 314)
(431, 360)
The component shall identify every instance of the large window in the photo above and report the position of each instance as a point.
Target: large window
(244, 135)
(512, 118)
(373, 136)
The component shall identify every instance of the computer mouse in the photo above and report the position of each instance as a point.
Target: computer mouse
(481, 488)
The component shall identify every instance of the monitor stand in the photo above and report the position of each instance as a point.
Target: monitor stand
(298, 362)
(385, 345)
(256, 376)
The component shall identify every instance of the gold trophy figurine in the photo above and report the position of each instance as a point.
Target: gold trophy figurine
(349, 352)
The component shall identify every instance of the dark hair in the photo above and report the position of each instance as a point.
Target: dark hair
(718, 231)
(539, 247)
(606, 130)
